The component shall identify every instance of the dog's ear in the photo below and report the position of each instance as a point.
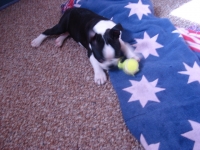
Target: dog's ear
(116, 31)
(95, 38)
(91, 36)
(118, 27)
(114, 34)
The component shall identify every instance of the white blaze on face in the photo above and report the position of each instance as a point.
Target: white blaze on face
(108, 52)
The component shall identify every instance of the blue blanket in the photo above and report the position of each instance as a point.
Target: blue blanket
(161, 103)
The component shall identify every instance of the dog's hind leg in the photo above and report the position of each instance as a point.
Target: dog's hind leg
(37, 41)
(61, 38)
(56, 30)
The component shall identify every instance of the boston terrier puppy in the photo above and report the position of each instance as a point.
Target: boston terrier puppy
(100, 36)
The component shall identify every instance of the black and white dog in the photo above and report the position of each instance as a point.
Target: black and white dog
(100, 36)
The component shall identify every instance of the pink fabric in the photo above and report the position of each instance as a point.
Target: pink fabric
(191, 37)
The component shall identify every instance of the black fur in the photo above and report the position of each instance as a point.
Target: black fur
(79, 23)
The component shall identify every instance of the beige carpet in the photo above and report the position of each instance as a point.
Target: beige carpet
(164, 7)
(48, 99)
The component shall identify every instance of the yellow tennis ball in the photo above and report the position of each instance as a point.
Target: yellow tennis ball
(129, 66)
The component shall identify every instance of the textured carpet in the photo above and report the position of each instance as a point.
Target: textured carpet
(164, 7)
(48, 99)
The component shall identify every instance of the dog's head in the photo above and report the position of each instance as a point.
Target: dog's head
(106, 46)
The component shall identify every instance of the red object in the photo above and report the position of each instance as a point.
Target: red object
(191, 37)
(68, 5)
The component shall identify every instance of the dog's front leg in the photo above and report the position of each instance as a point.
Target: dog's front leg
(99, 74)
(129, 51)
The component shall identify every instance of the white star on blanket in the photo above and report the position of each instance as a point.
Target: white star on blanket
(193, 72)
(139, 9)
(177, 32)
(194, 134)
(148, 147)
(143, 91)
(147, 45)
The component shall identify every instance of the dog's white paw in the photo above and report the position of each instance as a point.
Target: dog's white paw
(37, 41)
(100, 77)
(135, 56)
(58, 42)
(60, 39)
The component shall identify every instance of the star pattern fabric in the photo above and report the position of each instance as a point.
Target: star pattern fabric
(139, 9)
(193, 72)
(147, 45)
(143, 91)
(192, 38)
(148, 147)
(194, 134)
(177, 32)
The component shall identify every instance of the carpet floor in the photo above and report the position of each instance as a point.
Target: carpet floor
(48, 99)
